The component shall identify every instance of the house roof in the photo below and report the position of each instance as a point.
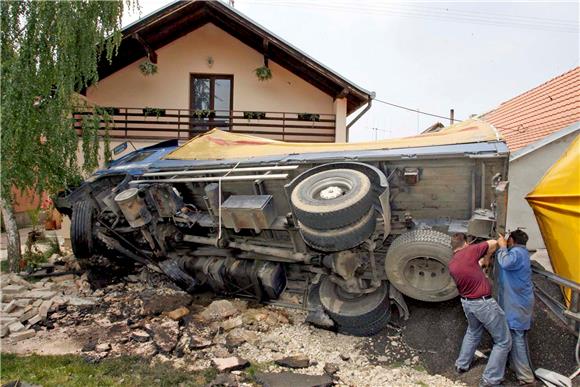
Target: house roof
(539, 112)
(181, 17)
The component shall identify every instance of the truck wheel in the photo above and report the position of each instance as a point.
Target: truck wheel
(332, 199)
(416, 264)
(81, 230)
(356, 314)
(340, 238)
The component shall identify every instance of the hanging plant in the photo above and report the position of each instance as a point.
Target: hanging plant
(148, 68)
(263, 73)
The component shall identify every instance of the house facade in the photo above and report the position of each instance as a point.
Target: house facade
(205, 54)
(538, 126)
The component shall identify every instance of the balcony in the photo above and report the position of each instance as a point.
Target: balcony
(162, 124)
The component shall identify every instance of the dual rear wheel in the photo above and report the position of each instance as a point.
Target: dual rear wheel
(334, 209)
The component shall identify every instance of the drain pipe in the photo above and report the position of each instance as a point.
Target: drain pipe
(366, 109)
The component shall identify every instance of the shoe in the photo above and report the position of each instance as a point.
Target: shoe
(483, 383)
(528, 384)
(460, 371)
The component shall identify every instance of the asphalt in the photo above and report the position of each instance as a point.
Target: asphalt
(435, 330)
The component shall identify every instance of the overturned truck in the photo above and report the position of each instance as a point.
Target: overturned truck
(350, 228)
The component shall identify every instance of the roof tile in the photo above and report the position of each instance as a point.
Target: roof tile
(539, 112)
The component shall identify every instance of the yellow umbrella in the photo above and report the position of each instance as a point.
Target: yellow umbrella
(556, 204)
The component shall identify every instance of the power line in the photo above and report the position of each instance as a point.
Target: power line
(414, 110)
(497, 20)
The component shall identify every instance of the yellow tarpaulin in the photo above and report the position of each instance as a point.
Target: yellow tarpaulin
(556, 204)
(217, 144)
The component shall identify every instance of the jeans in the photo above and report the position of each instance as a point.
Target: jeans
(520, 358)
(485, 314)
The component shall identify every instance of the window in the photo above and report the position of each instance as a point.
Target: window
(211, 101)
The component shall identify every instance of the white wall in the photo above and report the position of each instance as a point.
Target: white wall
(524, 174)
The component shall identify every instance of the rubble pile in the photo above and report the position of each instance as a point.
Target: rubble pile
(147, 316)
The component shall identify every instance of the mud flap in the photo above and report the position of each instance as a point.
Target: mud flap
(173, 268)
(398, 300)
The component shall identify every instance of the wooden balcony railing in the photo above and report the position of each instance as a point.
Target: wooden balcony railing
(155, 123)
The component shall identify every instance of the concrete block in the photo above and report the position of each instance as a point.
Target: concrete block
(28, 314)
(9, 307)
(13, 289)
(15, 327)
(40, 294)
(23, 335)
(44, 308)
(33, 321)
(23, 302)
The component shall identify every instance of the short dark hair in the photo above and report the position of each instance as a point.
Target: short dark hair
(519, 237)
(458, 240)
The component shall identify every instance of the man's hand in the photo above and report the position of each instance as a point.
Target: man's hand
(501, 242)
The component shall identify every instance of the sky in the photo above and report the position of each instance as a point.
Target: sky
(431, 56)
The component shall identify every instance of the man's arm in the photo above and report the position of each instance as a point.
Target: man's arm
(491, 248)
(507, 259)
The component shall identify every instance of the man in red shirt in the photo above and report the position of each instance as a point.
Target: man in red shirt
(480, 308)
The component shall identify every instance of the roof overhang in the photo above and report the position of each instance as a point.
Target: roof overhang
(181, 17)
(575, 127)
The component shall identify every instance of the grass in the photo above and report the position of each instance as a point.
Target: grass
(72, 370)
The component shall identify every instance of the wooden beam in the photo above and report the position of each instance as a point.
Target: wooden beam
(150, 51)
(343, 93)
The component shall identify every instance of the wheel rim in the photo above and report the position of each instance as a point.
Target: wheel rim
(427, 274)
(330, 188)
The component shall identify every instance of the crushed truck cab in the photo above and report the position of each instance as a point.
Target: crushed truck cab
(350, 227)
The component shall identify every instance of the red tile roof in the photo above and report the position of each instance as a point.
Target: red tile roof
(539, 112)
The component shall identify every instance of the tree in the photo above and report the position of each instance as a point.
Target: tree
(49, 52)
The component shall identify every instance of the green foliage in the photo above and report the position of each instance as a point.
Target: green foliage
(50, 51)
(156, 112)
(148, 68)
(203, 113)
(308, 117)
(71, 370)
(256, 115)
(263, 73)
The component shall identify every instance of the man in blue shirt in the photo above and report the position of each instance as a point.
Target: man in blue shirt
(516, 298)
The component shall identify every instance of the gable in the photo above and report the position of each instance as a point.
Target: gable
(180, 18)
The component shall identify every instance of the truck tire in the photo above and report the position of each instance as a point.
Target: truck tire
(340, 238)
(358, 315)
(332, 199)
(81, 230)
(416, 264)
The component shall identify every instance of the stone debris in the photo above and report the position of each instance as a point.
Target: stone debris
(103, 347)
(22, 335)
(296, 361)
(152, 319)
(140, 335)
(290, 379)
(219, 310)
(178, 313)
(232, 323)
(230, 363)
(16, 327)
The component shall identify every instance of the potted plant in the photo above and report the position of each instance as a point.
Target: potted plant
(263, 73)
(308, 117)
(254, 115)
(203, 113)
(151, 111)
(147, 67)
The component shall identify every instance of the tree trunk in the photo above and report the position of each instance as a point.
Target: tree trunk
(12, 235)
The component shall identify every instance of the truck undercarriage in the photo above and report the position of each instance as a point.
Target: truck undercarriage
(350, 237)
